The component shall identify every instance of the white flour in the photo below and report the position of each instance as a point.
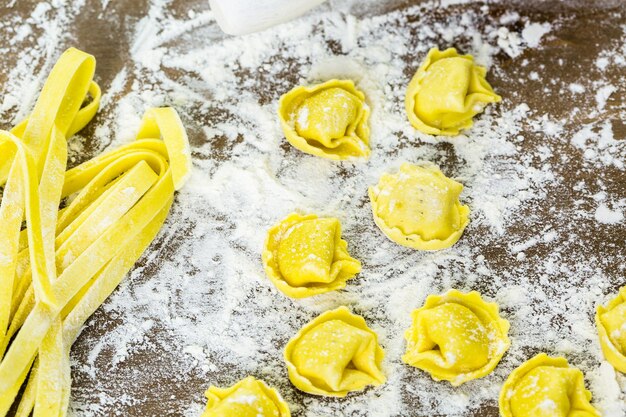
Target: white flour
(206, 314)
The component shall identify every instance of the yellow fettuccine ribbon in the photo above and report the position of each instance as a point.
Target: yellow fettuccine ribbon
(57, 271)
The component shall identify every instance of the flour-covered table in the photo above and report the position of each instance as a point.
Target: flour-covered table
(544, 174)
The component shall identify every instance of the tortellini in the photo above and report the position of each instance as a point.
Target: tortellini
(446, 92)
(456, 337)
(611, 322)
(304, 255)
(328, 120)
(335, 354)
(419, 207)
(546, 387)
(247, 398)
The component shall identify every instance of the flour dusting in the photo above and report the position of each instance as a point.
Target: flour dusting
(198, 309)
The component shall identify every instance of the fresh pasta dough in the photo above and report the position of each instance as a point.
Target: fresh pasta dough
(611, 323)
(446, 92)
(456, 337)
(419, 207)
(328, 120)
(304, 255)
(546, 387)
(335, 354)
(249, 397)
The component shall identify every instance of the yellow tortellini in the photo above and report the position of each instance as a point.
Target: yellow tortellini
(304, 255)
(546, 387)
(419, 207)
(446, 92)
(611, 322)
(456, 337)
(247, 398)
(328, 120)
(335, 354)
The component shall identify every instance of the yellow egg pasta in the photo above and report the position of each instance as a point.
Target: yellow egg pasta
(304, 255)
(249, 397)
(456, 337)
(611, 323)
(57, 271)
(419, 207)
(328, 120)
(546, 387)
(446, 92)
(335, 354)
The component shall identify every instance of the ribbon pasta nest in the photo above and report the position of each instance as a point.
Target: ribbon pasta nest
(55, 272)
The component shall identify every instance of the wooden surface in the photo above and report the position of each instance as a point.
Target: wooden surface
(105, 33)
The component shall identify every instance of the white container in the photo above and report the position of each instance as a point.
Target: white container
(238, 17)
